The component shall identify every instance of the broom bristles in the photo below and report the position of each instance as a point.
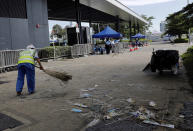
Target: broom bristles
(59, 75)
(147, 68)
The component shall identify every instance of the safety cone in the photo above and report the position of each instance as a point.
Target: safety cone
(135, 48)
(131, 49)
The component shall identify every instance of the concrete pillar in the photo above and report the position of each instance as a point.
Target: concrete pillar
(78, 20)
(90, 25)
(134, 26)
(138, 28)
(37, 15)
(117, 24)
(98, 27)
(130, 29)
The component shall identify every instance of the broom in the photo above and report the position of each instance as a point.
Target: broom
(59, 75)
(147, 68)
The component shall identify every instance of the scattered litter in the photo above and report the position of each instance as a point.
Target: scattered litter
(63, 109)
(76, 110)
(111, 113)
(96, 108)
(108, 96)
(114, 80)
(85, 95)
(80, 105)
(136, 114)
(157, 124)
(139, 115)
(143, 117)
(167, 125)
(91, 89)
(150, 114)
(142, 109)
(187, 112)
(151, 122)
(96, 85)
(130, 100)
(94, 122)
(112, 110)
(84, 90)
(152, 104)
(181, 116)
(143, 114)
(130, 84)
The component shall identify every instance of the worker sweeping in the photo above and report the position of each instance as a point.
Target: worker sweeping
(26, 66)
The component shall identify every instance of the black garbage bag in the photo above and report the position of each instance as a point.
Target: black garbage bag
(164, 59)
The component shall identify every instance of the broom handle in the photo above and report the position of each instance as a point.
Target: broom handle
(39, 68)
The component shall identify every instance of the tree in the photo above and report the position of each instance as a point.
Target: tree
(57, 31)
(187, 13)
(176, 25)
(149, 20)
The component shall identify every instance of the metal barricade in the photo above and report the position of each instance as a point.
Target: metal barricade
(8, 59)
(121, 46)
(81, 50)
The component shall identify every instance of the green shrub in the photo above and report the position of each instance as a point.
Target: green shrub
(125, 40)
(190, 50)
(48, 52)
(180, 41)
(188, 63)
(100, 42)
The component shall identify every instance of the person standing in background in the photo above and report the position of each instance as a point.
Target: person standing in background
(108, 45)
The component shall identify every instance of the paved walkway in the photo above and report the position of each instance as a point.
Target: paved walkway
(110, 79)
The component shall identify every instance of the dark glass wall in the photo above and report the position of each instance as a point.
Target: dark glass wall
(13, 8)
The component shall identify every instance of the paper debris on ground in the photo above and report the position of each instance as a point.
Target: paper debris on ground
(84, 90)
(96, 85)
(130, 100)
(80, 105)
(181, 116)
(157, 124)
(85, 95)
(111, 113)
(76, 110)
(94, 122)
(91, 89)
(114, 80)
(152, 104)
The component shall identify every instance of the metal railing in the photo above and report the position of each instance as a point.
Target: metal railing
(9, 58)
(81, 50)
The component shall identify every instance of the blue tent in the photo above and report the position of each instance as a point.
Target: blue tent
(139, 35)
(107, 33)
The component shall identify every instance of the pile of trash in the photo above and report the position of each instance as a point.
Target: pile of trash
(187, 115)
(103, 110)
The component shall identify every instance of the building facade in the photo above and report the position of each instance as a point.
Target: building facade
(163, 26)
(23, 22)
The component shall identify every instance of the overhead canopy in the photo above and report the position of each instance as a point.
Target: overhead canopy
(139, 35)
(92, 10)
(107, 33)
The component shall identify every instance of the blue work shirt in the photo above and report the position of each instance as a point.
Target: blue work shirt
(108, 42)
